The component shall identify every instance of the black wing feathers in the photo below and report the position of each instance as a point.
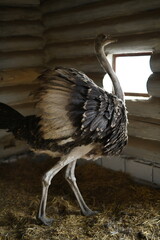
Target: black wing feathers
(9, 118)
(98, 116)
(23, 128)
(93, 102)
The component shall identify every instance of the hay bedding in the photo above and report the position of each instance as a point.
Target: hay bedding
(127, 210)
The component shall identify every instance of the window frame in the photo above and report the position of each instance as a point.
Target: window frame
(115, 56)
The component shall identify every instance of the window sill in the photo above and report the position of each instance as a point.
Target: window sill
(137, 98)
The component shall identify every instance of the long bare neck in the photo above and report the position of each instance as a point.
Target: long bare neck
(100, 42)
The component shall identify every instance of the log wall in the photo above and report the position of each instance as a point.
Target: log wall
(62, 33)
(21, 58)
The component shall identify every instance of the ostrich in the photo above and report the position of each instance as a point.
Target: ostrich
(75, 119)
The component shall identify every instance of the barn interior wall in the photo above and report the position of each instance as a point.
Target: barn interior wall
(36, 34)
(21, 58)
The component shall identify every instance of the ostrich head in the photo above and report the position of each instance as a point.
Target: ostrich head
(100, 42)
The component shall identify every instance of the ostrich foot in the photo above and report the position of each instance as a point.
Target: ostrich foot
(89, 212)
(44, 220)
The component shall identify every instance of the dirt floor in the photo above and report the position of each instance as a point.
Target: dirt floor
(127, 210)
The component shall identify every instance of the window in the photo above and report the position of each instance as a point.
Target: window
(133, 71)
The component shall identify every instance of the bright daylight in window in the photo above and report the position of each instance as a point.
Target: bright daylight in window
(132, 71)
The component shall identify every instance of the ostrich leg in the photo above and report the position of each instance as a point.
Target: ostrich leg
(76, 153)
(70, 177)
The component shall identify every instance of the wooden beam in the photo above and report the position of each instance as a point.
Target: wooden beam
(19, 13)
(14, 77)
(17, 94)
(21, 59)
(151, 145)
(10, 146)
(97, 77)
(135, 43)
(146, 108)
(21, 28)
(69, 50)
(19, 3)
(144, 119)
(85, 64)
(12, 44)
(155, 62)
(49, 5)
(144, 130)
(153, 85)
(25, 109)
(143, 149)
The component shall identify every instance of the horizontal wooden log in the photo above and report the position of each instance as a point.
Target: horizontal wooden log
(144, 119)
(153, 85)
(25, 109)
(135, 43)
(10, 146)
(21, 59)
(97, 11)
(13, 77)
(20, 44)
(49, 5)
(14, 13)
(155, 62)
(147, 108)
(144, 130)
(17, 94)
(19, 3)
(143, 149)
(96, 77)
(85, 64)
(69, 50)
(128, 25)
(21, 28)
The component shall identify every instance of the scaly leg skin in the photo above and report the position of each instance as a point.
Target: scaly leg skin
(41, 214)
(76, 153)
(70, 177)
